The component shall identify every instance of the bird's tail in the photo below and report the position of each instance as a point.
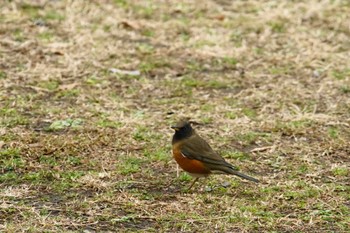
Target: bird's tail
(229, 169)
(233, 172)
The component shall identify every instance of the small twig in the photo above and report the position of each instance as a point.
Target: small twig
(204, 219)
(261, 148)
(337, 123)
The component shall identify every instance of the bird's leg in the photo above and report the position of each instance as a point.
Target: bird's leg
(194, 181)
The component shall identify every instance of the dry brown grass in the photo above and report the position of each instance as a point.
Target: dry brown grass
(268, 78)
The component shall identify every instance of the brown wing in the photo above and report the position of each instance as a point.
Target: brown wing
(197, 148)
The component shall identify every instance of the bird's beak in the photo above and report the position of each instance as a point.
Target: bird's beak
(175, 128)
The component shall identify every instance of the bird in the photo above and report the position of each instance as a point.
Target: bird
(195, 156)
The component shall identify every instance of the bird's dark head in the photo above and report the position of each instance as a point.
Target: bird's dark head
(183, 129)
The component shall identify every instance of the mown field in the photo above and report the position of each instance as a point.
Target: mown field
(89, 90)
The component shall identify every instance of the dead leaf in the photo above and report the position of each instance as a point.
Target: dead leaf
(129, 25)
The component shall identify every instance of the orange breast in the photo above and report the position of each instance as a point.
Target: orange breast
(189, 165)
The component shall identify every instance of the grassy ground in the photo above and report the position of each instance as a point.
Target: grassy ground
(86, 148)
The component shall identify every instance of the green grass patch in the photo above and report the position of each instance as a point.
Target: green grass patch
(53, 15)
(163, 155)
(344, 89)
(152, 63)
(237, 155)
(231, 115)
(333, 132)
(30, 9)
(49, 85)
(46, 36)
(251, 137)
(249, 112)
(107, 123)
(341, 74)
(9, 177)
(185, 177)
(3, 74)
(294, 127)
(10, 159)
(64, 124)
(48, 160)
(18, 35)
(277, 26)
(340, 171)
(129, 165)
(11, 117)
